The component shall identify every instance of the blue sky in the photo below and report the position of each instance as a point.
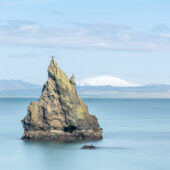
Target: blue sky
(129, 39)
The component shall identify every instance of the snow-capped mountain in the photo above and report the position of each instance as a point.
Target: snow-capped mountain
(106, 80)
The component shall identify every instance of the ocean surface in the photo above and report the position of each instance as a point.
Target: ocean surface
(136, 137)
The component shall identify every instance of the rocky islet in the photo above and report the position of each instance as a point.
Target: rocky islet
(60, 114)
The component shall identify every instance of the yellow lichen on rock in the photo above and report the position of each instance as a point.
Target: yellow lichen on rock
(33, 110)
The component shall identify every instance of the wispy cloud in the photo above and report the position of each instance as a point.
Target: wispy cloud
(79, 35)
(161, 28)
(58, 13)
(31, 1)
(25, 55)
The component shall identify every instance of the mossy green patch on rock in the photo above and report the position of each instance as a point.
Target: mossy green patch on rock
(60, 110)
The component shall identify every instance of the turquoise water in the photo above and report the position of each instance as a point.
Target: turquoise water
(136, 137)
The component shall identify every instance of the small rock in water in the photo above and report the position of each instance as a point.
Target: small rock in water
(88, 147)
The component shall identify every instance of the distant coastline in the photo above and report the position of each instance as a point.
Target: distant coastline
(19, 89)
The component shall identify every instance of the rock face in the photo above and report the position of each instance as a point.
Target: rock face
(60, 114)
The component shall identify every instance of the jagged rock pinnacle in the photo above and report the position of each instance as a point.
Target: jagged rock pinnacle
(72, 81)
(60, 114)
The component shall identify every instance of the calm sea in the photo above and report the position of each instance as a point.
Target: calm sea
(136, 137)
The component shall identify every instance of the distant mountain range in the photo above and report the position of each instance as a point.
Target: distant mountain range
(18, 88)
(17, 85)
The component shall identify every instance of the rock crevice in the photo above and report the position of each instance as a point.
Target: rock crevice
(60, 114)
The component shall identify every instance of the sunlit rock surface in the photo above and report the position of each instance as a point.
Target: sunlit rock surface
(60, 114)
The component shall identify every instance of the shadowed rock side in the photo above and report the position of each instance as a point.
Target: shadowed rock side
(60, 114)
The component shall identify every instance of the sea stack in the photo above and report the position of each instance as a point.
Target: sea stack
(60, 114)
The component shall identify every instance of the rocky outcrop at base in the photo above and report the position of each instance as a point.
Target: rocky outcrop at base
(60, 114)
